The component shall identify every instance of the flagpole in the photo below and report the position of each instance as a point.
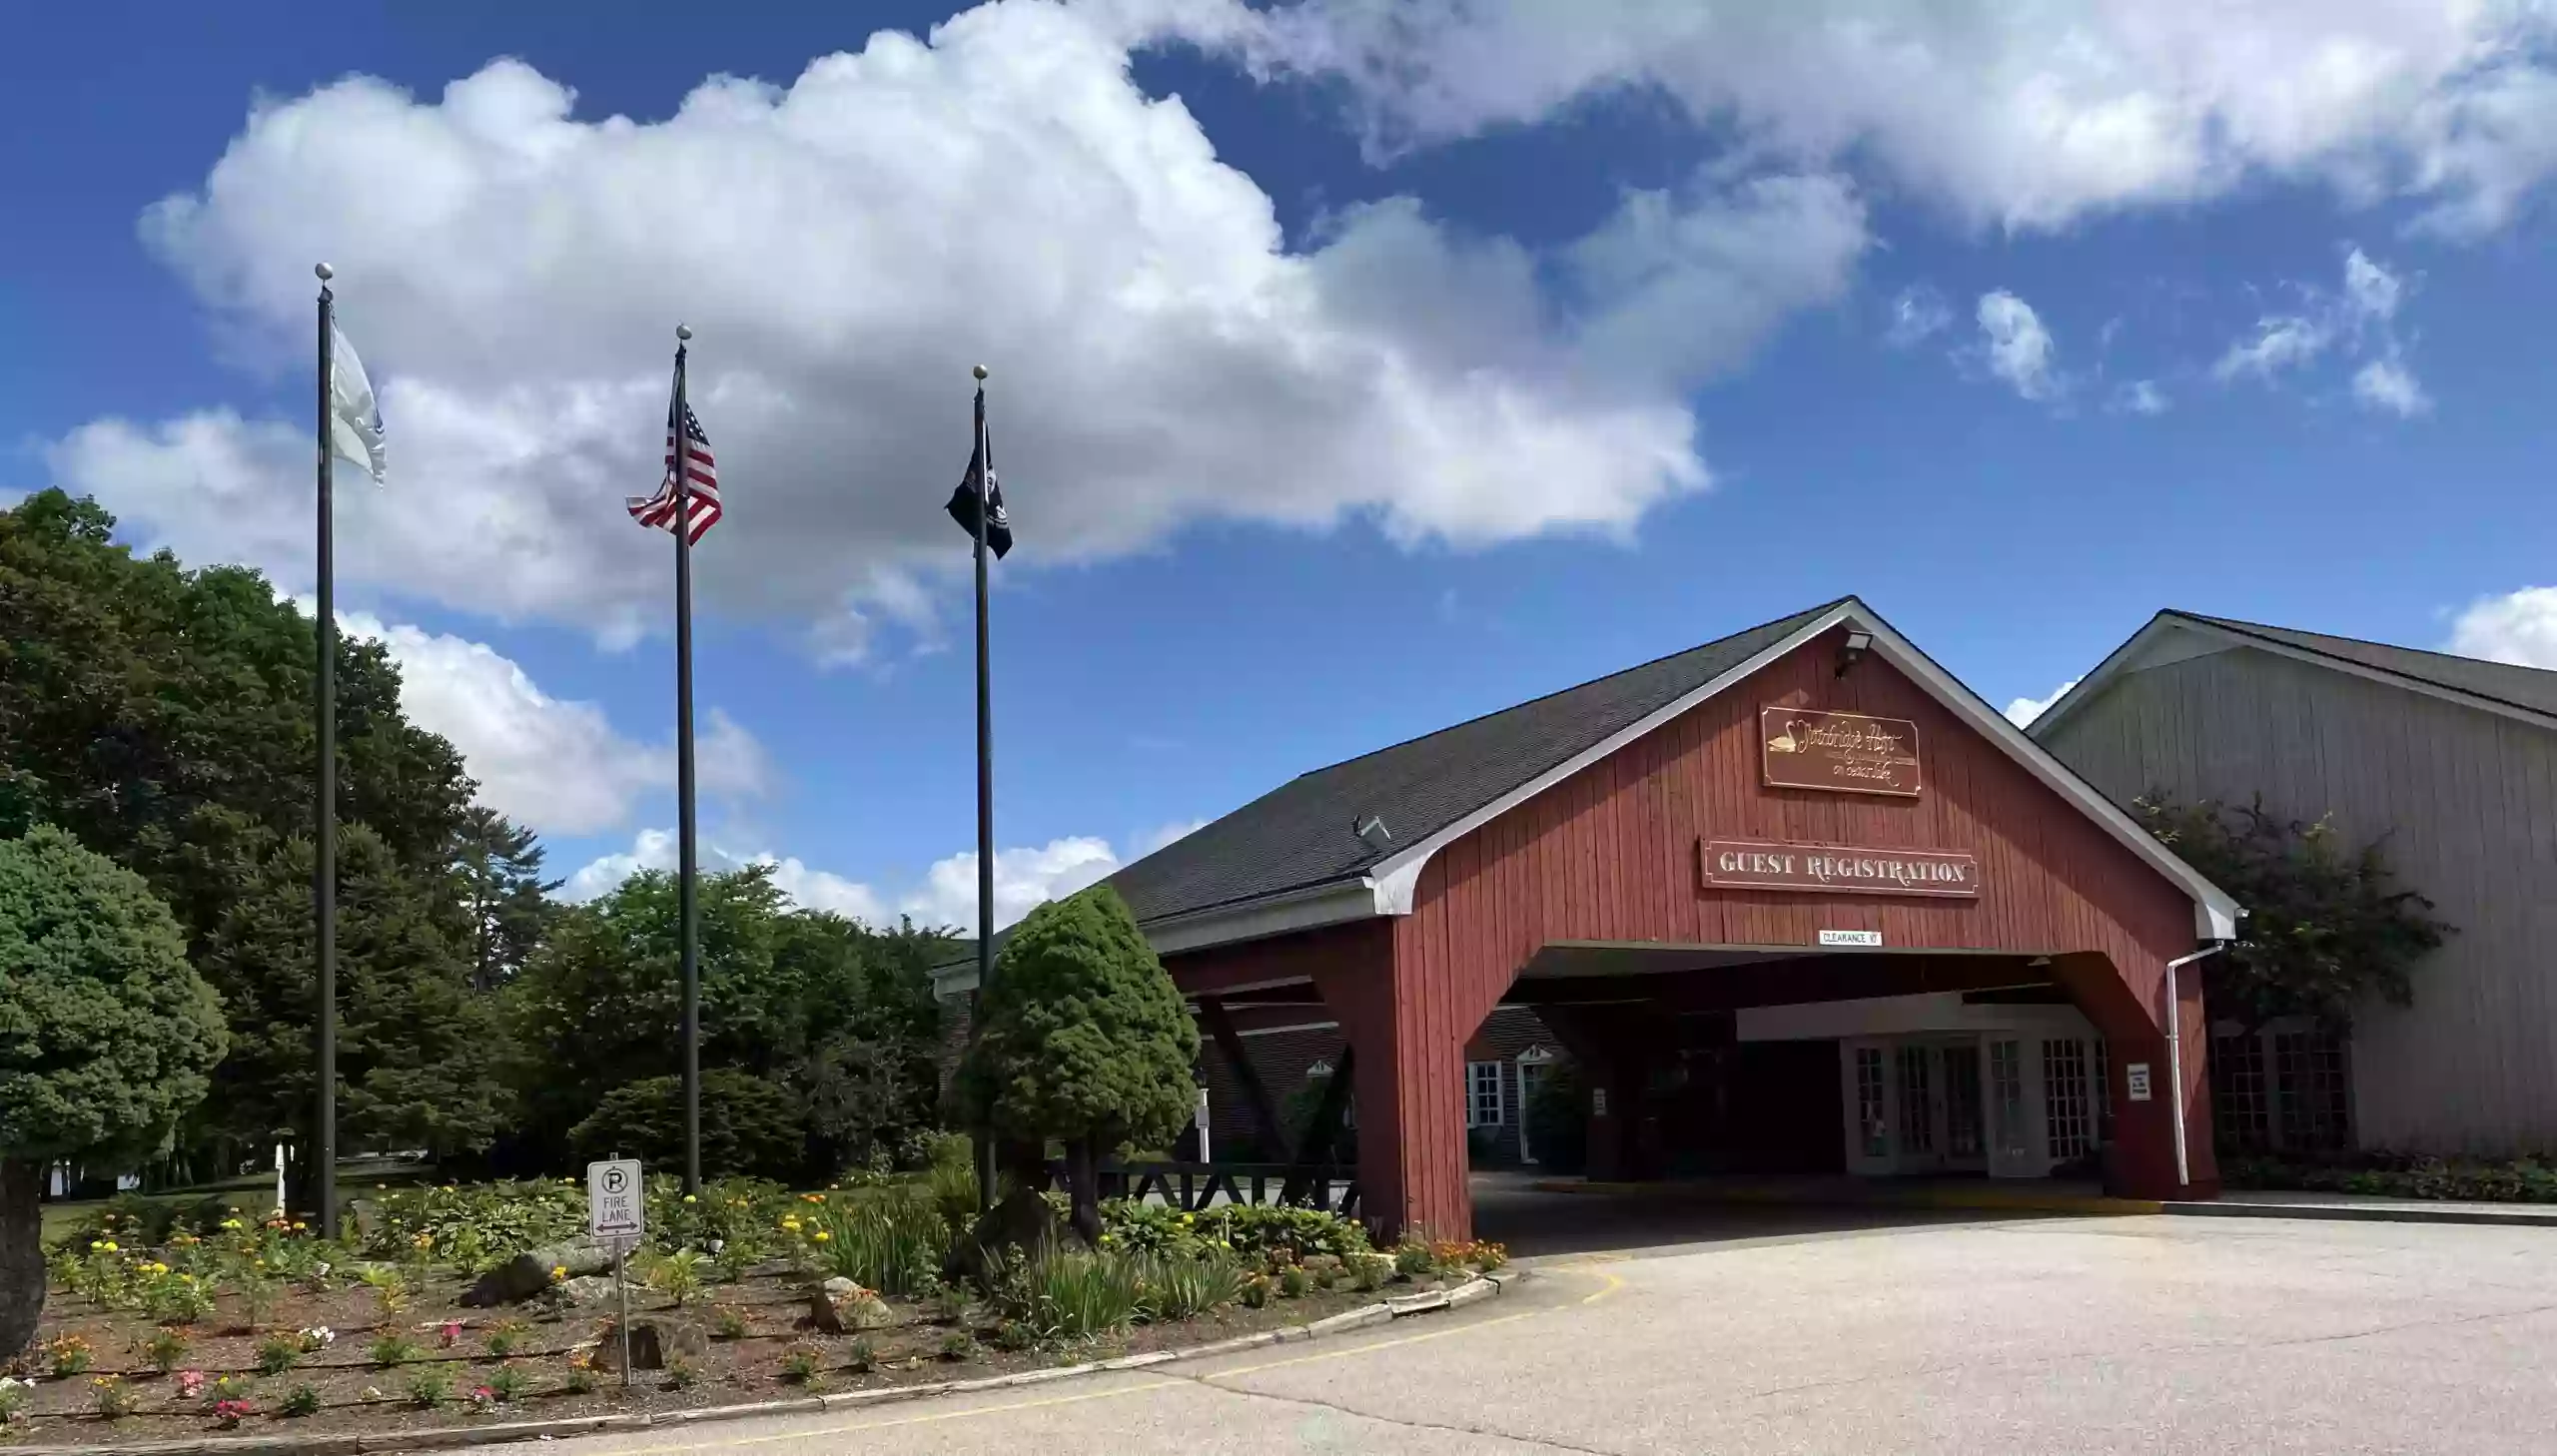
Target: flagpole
(986, 1162)
(687, 910)
(324, 873)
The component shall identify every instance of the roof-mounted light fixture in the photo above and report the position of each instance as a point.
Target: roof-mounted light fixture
(1376, 836)
(1853, 649)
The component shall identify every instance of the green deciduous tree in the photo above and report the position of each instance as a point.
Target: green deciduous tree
(106, 1036)
(1083, 1038)
(2326, 926)
(750, 1125)
(838, 1015)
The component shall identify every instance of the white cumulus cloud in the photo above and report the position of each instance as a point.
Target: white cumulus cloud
(2019, 347)
(945, 896)
(2519, 627)
(2356, 320)
(2385, 386)
(1918, 313)
(2141, 396)
(2016, 115)
(557, 765)
(2023, 711)
(848, 245)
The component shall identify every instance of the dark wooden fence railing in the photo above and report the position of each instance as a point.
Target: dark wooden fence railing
(1192, 1186)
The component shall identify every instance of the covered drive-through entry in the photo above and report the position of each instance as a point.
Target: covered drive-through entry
(1795, 899)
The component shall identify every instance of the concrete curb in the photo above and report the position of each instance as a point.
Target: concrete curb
(363, 1443)
(2369, 1213)
(1985, 1200)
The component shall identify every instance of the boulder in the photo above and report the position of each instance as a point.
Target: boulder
(582, 1290)
(1022, 1220)
(840, 1306)
(654, 1339)
(529, 1274)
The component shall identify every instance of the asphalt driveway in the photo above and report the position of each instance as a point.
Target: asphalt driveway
(2153, 1334)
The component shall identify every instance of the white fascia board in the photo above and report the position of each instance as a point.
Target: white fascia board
(1388, 887)
(2216, 916)
(2143, 650)
(1398, 875)
(1273, 914)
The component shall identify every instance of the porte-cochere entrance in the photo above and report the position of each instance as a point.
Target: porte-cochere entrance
(1795, 899)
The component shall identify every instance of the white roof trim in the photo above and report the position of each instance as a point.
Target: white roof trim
(2122, 659)
(1387, 887)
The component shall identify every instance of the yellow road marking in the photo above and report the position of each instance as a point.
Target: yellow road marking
(1611, 1284)
(924, 1419)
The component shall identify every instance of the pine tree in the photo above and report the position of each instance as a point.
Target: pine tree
(504, 893)
(1083, 1038)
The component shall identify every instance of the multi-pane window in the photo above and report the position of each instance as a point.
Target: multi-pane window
(2068, 1118)
(2007, 1090)
(1483, 1095)
(2308, 1068)
(1962, 1102)
(1873, 1131)
(2241, 1114)
(1917, 1109)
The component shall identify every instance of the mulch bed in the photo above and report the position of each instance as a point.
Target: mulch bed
(358, 1396)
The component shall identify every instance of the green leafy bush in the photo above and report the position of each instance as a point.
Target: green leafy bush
(431, 1387)
(507, 1337)
(861, 1356)
(164, 1349)
(678, 1276)
(2382, 1175)
(728, 1322)
(1251, 1230)
(894, 1242)
(301, 1400)
(802, 1364)
(509, 1383)
(278, 1352)
(391, 1349)
(1178, 1288)
(748, 1122)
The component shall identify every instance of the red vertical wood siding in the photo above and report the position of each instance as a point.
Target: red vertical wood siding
(1611, 854)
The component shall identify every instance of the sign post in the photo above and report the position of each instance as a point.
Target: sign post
(618, 1218)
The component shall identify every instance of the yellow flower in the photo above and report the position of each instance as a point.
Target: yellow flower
(821, 1235)
(558, 1272)
(690, 1199)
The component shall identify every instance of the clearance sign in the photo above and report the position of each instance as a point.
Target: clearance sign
(1735, 863)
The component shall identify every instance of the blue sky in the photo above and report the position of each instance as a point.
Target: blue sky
(1391, 373)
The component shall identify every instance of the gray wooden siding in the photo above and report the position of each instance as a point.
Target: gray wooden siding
(2468, 800)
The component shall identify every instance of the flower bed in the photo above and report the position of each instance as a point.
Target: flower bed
(256, 1324)
(2400, 1176)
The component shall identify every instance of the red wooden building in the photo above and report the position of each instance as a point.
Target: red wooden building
(1795, 898)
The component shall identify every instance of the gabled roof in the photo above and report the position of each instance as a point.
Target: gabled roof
(1294, 859)
(1305, 831)
(2529, 693)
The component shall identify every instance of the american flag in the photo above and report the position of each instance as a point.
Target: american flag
(657, 512)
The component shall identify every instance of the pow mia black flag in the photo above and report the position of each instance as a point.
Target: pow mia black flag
(963, 501)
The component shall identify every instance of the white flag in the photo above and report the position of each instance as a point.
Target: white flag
(354, 421)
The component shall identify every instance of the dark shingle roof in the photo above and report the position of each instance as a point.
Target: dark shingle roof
(1305, 833)
(2522, 687)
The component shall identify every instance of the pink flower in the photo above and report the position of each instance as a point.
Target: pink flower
(451, 1332)
(230, 1412)
(189, 1384)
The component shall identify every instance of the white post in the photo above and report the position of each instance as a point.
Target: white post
(2176, 1056)
(280, 1196)
(1204, 1155)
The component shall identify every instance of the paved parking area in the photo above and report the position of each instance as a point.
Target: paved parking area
(2155, 1335)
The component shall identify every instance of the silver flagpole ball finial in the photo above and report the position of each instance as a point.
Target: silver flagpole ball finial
(326, 272)
(684, 330)
(979, 372)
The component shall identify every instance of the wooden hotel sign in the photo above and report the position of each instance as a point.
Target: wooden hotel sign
(1848, 753)
(1739, 864)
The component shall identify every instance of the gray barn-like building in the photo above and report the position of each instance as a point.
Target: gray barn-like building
(2453, 761)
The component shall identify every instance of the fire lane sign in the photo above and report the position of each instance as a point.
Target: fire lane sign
(617, 1202)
